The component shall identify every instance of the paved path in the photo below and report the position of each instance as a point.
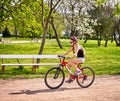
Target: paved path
(105, 88)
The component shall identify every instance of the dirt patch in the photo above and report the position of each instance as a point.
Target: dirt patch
(105, 88)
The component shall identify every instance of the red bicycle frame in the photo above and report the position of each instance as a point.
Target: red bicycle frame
(65, 64)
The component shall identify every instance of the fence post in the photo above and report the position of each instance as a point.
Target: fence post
(3, 67)
(34, 67)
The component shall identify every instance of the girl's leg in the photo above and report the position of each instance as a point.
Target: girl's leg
(74, 62)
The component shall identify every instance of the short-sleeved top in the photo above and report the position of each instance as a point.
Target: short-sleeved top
(80, 51)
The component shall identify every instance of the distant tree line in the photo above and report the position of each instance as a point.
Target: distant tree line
(98, 19)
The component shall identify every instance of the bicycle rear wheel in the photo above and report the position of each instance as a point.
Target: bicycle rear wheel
(54, 78)
(86, 78)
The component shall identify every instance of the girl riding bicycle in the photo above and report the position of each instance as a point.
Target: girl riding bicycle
(79, 52)
(55, 76)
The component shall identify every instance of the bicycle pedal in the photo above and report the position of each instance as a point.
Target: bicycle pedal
(69, 80)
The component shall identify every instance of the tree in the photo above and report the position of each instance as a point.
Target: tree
(117, 25)
(5, 9)
(70, 14)
(46, 18)
(103, 14)
(47, 12)
(6, 32)
(29, 14)
(55, 31)
(117, 32)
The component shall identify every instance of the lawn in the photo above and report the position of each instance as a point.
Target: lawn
(104, 60)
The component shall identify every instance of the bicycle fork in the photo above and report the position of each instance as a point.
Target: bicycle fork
(57, 73)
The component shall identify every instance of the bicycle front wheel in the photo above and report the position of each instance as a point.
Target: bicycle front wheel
(54, 78)
(86, 78)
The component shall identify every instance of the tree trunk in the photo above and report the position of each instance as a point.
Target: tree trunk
(99, 42)
(16, 34)
(42, 44)
(116, 40)
(117, 32)
(56, 35)
(45, 21)
(99, 38)
(87, 37)
(40, 50)
(106, 41)
(32, 35)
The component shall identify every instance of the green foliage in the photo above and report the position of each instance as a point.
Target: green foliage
(5, 12)
(25, 16)
(104, 17)
(100, 2)
(31, 25)
(117, 11)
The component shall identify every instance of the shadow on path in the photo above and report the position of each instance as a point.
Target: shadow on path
(29, 92)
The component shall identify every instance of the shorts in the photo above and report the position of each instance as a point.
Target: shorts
(82, 59)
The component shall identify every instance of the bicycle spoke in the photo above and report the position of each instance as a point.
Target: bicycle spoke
(54, 78)
(86, 78)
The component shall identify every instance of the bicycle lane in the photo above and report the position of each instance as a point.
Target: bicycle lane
(105, 88)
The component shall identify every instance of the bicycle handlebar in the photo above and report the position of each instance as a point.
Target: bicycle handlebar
(60, 56)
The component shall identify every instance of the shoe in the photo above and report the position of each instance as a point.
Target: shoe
(69, 80)
(77, 73)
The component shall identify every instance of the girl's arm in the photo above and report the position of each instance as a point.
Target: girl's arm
(68, 51)
(72, 56)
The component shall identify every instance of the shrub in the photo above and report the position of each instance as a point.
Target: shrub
(6, 32)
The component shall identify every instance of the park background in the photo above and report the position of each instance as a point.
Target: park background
(45, 26)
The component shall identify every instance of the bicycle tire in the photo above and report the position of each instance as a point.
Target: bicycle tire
(86, 78)
(54, 78)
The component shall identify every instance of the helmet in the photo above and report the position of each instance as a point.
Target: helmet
(74, 38)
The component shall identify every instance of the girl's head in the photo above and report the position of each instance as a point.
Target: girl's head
(73, 39)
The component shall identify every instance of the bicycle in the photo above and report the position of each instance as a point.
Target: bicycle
(55, 77)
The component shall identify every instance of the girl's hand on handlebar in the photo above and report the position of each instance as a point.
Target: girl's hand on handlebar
(61, 56)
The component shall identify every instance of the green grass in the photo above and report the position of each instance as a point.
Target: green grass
(104, 60)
